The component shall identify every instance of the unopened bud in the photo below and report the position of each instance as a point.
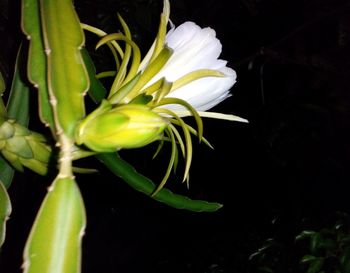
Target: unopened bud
(24, 148)
(127, 126)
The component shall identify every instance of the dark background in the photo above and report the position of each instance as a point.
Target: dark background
(284, 172)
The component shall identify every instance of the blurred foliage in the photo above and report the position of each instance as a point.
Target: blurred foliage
(314, 251)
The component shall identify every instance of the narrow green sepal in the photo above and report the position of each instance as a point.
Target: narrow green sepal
(124, 90)
(141, 99)
(150, 71)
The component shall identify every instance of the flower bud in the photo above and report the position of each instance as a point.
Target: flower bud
(129, 126)
(24, 148)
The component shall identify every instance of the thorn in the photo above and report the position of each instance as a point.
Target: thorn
(49, 189)
(47, 51)
(82, 233)
(25, 265)
(53, 101)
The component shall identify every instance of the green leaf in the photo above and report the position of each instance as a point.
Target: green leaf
(304, 234)
(96, 91)
(265, 269)
(36, 67)
(6, 173)
(18, 102)
(140, 183)
(308, 259)
(316, 242)
(2, 84)
(18, 109)
(67, 76)
(54, 243)
(2, 90)
(344, 260)
(5, 211)
(316, 265)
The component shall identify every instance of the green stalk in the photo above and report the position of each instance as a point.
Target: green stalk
(54, 243)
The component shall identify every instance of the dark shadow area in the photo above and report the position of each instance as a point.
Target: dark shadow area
(284, 172)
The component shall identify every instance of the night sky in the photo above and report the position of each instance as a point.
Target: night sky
(284, 172)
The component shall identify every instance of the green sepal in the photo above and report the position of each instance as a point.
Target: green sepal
(19, 146)
(160, 40)
(7, 130)
(140, 183)
(13, 158)
(120, 77)
(141, 99)
(150, 71)
(35, 166)
(42, 153)
(54, 243)
(124, 90)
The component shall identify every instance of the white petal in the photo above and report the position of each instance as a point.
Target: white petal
(196, 48)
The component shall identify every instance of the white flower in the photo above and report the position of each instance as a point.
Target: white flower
(181, 75)
(196, 48)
